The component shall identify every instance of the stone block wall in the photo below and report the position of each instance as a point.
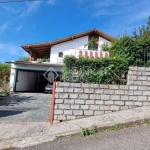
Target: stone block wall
(78, 100)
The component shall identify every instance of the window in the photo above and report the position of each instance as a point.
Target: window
(60, 54)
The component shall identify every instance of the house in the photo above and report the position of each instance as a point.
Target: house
(32, 75)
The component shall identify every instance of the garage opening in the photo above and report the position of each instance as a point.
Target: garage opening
(32, 81)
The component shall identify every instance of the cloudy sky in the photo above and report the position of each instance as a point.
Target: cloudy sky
(42, 21)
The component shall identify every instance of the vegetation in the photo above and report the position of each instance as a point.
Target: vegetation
(106, 70)
(4, 77)
(105, 46)
(24, 58)
(134, 49)
(92, 44)
(126, 51)
(87, 132)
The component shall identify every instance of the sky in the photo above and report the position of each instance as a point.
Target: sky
(33, 22)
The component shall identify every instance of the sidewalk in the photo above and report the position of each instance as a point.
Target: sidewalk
(23, 134)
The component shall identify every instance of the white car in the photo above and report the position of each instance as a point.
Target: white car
(49, 88)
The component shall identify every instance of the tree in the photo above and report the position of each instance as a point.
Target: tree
(92, 44)
(24, 58)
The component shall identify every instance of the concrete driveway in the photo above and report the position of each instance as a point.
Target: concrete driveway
(25, 107)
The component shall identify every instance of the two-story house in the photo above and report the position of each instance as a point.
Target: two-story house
(28, 76)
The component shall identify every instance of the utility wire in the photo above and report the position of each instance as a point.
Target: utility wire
(10, 1)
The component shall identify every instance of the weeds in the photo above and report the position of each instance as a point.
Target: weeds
(59, 137)
(87, 132)
(115, 127)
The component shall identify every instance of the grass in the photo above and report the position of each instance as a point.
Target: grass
(59, 137)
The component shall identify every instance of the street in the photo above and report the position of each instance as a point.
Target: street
(133, 138)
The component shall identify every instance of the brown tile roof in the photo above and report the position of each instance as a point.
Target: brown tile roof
(41, 50)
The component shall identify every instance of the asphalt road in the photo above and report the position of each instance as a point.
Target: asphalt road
(135, 138)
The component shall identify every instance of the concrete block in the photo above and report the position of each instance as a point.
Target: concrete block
(142, 78)
(133, 68)
(85, 85)
(129, 103)
(63, 84)
(141, 68)
(63, 106)
(68, 112)
(79, 101)
(124, 87)
(94, 85)
(84, 106)
(148, 69)
(146, 73)
(63, 95)
(56, 95)
(138, 103)
(146, 93)
(75, 84)
(61, 117)
(148, 98)
(114, 87)
(55, 117)
(94, 107)
(132, 77)
(58, 112)
(88, 90)
(88, 112)
(99, 91)
(59, 89)
(99, 102)
(106, 112)
(109, 102)
(125, 97)
(73, 96)
(105, 97)
(124, 107)
(83, 96)
(142, 98)
(103, 86)
(120, 103)
(115, 97)
(94, 96)
(119, 92)
(59, 101)
(143, 88)
(129, 92)
(137, 92)
(68, 89)
(108, 92)
(71, 117)
(146, 83)
(56, 106)
(89, 102)
(98, 112)
(78, 90)
(133, 98)
(69, 101)
(146, 103)
(131, 107)
(78, 112)
(132, 87)
(114, 107)
(104, 107)
(75, 106)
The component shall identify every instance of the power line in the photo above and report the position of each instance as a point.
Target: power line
(10, 1)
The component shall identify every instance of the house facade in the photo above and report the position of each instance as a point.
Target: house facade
(48, 57)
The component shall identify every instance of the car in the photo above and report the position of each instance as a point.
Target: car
(49, 88)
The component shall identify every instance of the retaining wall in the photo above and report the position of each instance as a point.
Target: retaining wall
(77, 100)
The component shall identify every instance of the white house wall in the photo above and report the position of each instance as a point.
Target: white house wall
(71, 48)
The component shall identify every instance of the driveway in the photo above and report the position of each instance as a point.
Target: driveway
(25, 107)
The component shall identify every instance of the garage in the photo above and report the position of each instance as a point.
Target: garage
(33, 77)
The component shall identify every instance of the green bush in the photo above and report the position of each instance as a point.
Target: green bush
(100, 70)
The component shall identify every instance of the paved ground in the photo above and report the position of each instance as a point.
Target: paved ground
(25, 107)
(135, 138)
(24, 134)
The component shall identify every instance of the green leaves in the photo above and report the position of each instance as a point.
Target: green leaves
(99, 70)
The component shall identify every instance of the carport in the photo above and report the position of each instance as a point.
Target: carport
(32, 77)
